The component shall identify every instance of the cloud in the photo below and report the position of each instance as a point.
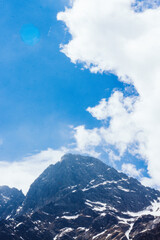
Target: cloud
(86, 140)
(112, 36)
(131, 170)
(122, 132)
(100, 112)
(119, 110)
(22, 174)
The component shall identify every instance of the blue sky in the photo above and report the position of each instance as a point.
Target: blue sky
(44, 96)
(41, 91)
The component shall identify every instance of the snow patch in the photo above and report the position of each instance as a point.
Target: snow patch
(18, 225)
(97, 206)
(70, 217)
(99, 234)
(153, 209)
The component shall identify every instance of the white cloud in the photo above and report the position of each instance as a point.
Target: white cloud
(131, 170)
(100, 111)
(121, 133)
(87, 140)
(111, 36)
(149, 182)
(22, 174)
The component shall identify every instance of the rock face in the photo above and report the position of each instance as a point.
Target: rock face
(10, 200)
(83, 198)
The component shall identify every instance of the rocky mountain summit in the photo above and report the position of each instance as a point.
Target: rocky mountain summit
(81, 198)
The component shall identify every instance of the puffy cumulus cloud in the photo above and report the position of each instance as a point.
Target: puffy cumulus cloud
(100, 111)
(131, 170)
(122, 133)
(123, 130)
(116, 105)
(22, 174)
(112, 36)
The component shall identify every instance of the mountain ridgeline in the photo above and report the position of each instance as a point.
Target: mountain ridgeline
(80, 197)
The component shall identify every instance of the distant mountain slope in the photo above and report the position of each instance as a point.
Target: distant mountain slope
(82, 198)
(10, 200)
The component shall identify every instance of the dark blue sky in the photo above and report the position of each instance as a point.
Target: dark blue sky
(41, 91)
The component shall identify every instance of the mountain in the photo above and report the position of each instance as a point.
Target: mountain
(81, 198)
(87, 178)
(10, 200)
